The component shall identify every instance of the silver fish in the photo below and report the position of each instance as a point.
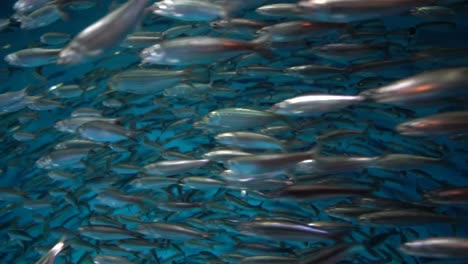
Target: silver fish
(33, 57)
(312, 105)
(200, 50)
(438, 247)
(440, 124)
(103, 34)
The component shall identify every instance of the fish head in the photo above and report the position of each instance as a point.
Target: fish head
(225, 138)
(153, 54)
(219, 24)
(44, 162)
(409, 128)
(12, 59)
(61, 126)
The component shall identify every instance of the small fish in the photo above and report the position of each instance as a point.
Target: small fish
(200, 50)
(448, 196)
(101, 131)
(66, 91)
(284, 231)
(189, 10)
(266, 163)
(33, 57)
(26, 6)
(421, 89)
(433, 12)
(71, 125)
(172, 167)
(449, 123)
(109, 259)
(49, 258)
(55, 38)
(438, 247)
(298, 30)
(355, 10)
(42, 17)
(223, 155)
(103, 34)
(139, 40)
(154, 81)
(237, 118)
(63, 158)
(404, 217)
(313, 105)
(249, 140)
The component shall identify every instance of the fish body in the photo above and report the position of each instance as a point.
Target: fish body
(199, 50)
(438, 247)
(449, 123)
(103, 34)
(33, 57)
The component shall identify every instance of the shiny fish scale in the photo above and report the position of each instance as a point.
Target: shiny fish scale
(183, 131)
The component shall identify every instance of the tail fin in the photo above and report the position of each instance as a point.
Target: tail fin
(262, 46)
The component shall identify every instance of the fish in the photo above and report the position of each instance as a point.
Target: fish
(33, 57)
(102, 34)
(313, 105)
(189, 10)
(154, 81)
(449, 196)
(26, 6)
(237, 118)
(52, 254)
(55, 38)
(437, 247)
(172, 167)
(449, 123)
(355, 10)
(42, 17)
(298, 30)
(249, 140)
(422, 89)
(200, 50)
(101, 131)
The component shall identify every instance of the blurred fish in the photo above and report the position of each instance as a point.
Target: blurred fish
(55, 38)
(42, 17)
(52, 254)
(189, 10)
(440, 124)
(26, 6)
(313, 105)
(33, 57)
(440, 247)
(355, 10)
(423, 88)
(200, 50)
(448, 196)
(103, 34)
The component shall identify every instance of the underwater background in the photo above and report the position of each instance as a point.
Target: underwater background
(85, 164)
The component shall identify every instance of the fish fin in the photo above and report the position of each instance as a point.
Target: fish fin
(262, 46)
(38, 73)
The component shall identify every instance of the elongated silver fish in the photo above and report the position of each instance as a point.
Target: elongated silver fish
(103, 34)
(199, 50)
(424, 88)
(450, 123)
(355, 10)
(33, 57)
(438, 247)
(310, 105)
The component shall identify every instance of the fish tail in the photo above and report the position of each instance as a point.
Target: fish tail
(262, 46)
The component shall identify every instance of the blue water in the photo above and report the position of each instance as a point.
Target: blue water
(71, 204)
